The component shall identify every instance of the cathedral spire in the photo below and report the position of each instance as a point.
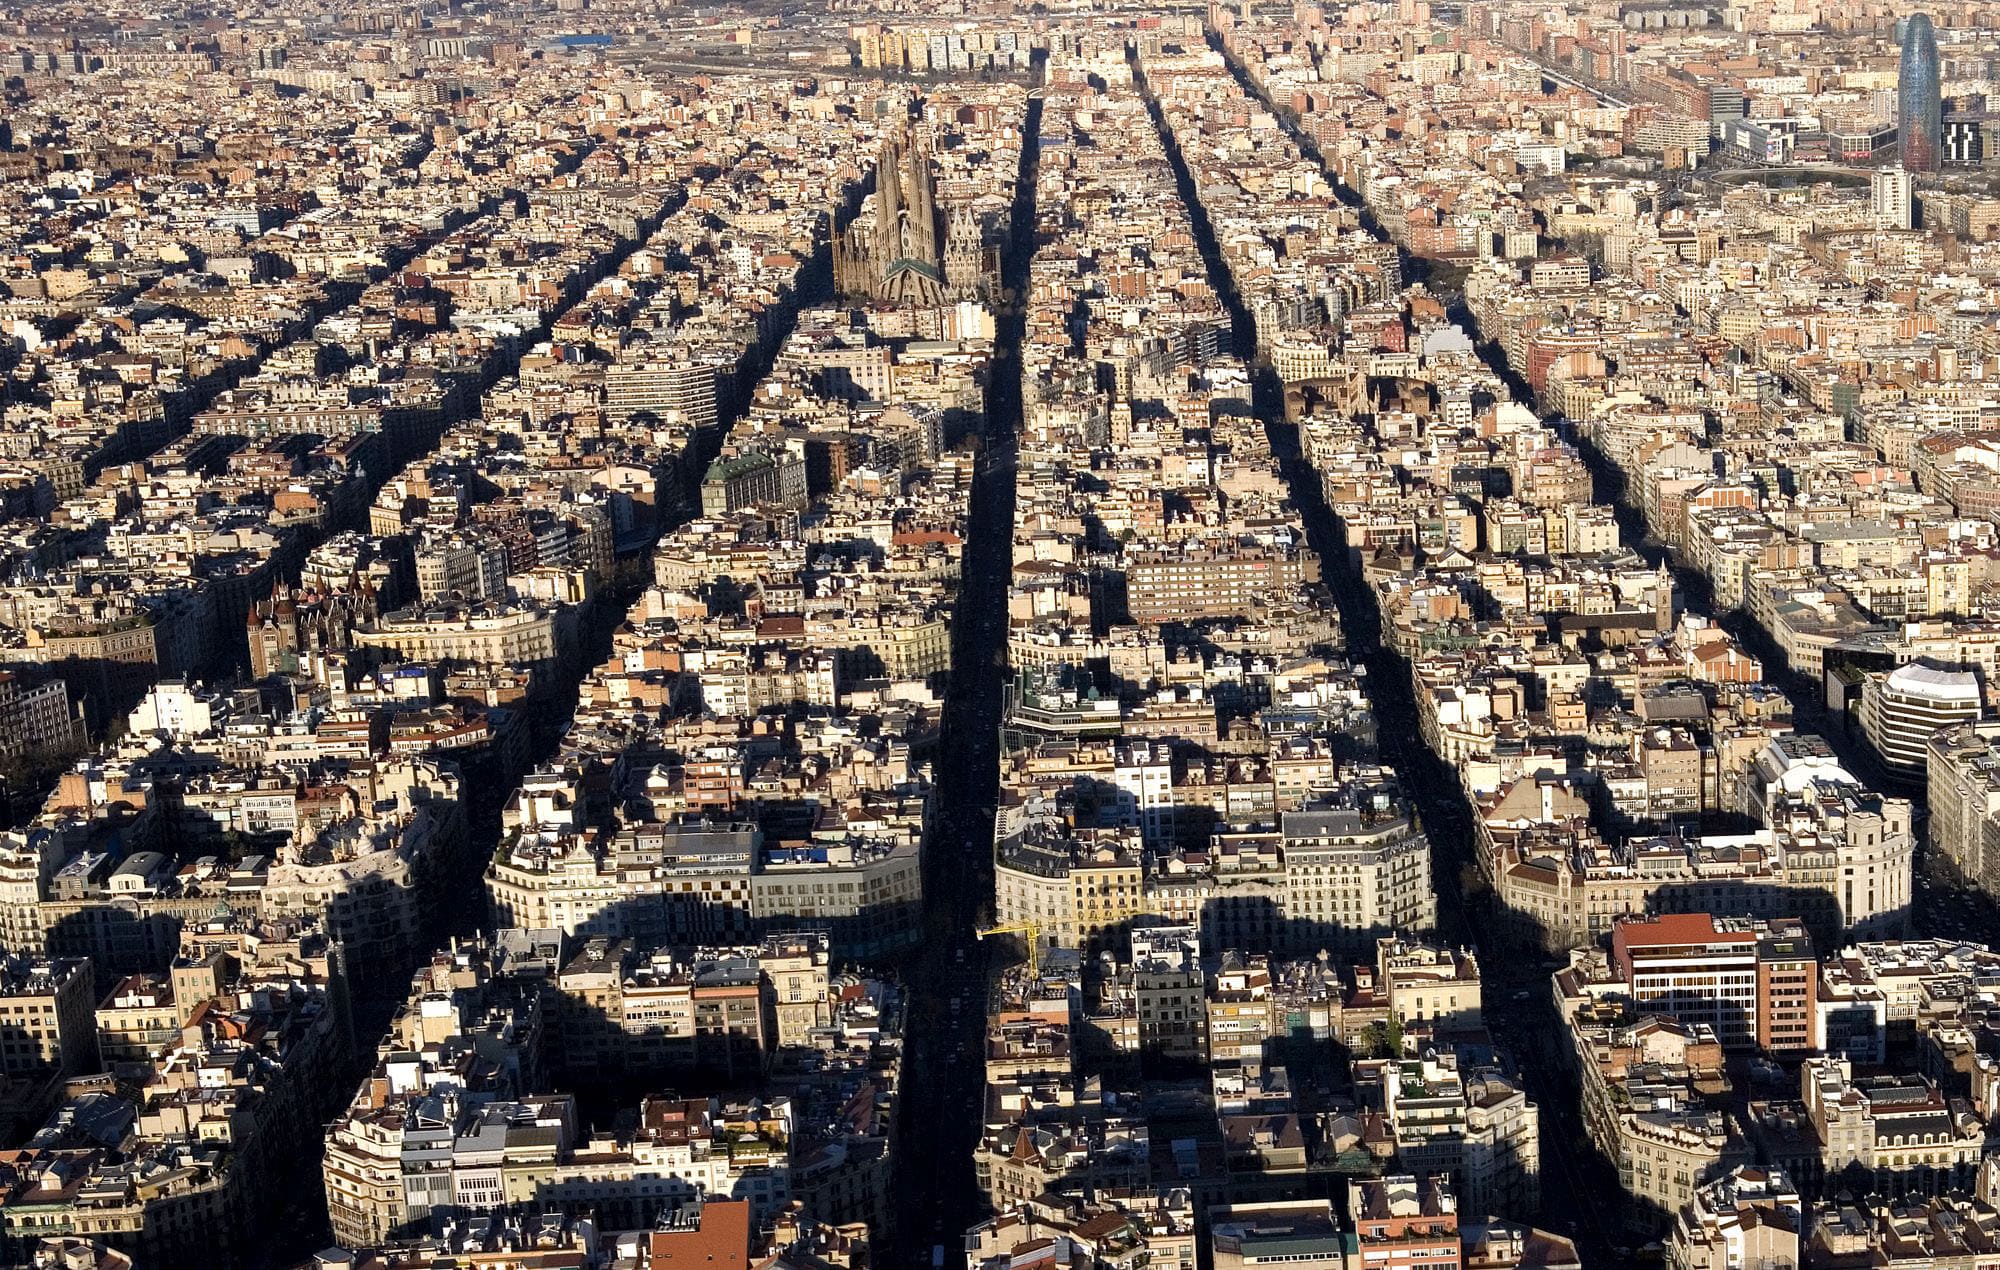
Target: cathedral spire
(923, 208)
(905, 262)
(889, 190)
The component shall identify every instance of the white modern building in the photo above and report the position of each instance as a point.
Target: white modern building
(1903, 708)
(1890, 193)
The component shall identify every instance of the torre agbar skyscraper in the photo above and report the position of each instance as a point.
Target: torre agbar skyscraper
(1917, 97)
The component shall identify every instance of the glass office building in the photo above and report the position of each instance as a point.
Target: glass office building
(1918, 105)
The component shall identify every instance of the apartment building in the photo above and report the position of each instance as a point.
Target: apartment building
(1429, 984)
(35, 717)
(518, 632)
(1452, 1115)
(1305, 1234)
(47, 1014)
(1216, 581)
(1405, 1222)
(1752, 983)
(1352, 872)
(1896, 1132)
(1164, 989)
(1751, 1216)
(620, 1013)
(698, 882)
(1962, 778)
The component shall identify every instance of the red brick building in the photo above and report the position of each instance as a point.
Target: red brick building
(1405, 1223)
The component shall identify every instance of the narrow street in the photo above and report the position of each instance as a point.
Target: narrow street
(944, 1073)
(1528, 1026)
(488, 788)
(1579, 1188)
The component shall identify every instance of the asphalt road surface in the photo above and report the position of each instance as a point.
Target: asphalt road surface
(943, 1086)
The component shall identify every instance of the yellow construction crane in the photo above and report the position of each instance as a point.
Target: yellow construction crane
(1032, 930)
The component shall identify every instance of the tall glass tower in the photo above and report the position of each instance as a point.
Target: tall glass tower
(1917, 101)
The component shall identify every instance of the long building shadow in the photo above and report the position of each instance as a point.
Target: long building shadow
(1579, 1188)
(941, 1098)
